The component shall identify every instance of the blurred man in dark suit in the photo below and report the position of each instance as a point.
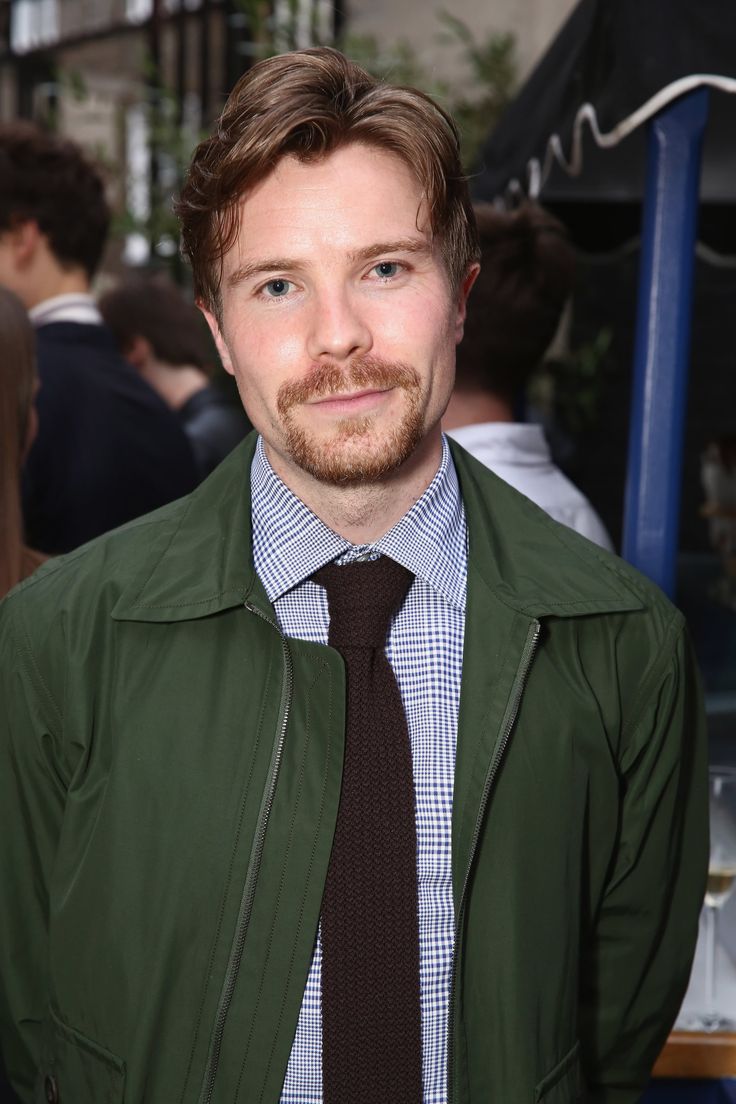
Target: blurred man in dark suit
(165, 338)
(108, 448)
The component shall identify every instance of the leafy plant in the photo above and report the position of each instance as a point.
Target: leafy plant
(568, 389)
(475, 99)
(491, 80)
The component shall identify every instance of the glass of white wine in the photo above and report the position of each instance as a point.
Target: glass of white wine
(721, 879)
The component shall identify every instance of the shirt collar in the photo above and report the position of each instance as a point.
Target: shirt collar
(71, 307)
(513, 442)
(290, 542)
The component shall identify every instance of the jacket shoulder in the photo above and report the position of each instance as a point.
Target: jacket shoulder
(99, 571)
(546, 568)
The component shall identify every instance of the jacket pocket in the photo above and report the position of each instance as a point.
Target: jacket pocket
(563, 1084)
(76, 1070)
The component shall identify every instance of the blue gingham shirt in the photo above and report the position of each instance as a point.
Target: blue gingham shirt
(424, 647)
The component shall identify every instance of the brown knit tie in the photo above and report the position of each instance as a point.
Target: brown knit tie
(371, 1023)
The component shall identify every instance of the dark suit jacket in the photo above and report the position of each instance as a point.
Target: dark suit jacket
(213, 425)
(108, 448)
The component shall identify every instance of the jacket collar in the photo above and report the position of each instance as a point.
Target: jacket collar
(531, 563)
(200, 561)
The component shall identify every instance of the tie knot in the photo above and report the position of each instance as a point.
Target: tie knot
(362, 597)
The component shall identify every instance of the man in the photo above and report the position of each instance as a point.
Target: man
(108, 448)
(218, 886)
(165, 339)
(526, 277)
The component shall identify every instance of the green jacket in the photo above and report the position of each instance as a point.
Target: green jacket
(170, 781)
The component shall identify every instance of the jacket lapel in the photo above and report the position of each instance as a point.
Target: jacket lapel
(202, 562)
(523, 567)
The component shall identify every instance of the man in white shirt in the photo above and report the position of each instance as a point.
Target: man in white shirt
(527, 269)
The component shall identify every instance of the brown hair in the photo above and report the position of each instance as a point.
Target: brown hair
(48, 179)
(17, 388)
(154, 308)
(308, 104)
(526, 276)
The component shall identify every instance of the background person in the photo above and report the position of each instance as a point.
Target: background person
(166, 340)
(18, 424)
(526, 277)
(108, 448)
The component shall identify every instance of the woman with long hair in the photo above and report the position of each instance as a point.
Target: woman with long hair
(17, 429)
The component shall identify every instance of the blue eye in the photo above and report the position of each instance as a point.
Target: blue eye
(387, 269)
(276, 289)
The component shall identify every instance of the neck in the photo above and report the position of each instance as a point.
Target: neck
(473, 406)
(57, 281)
(175, 385)
(363, 514)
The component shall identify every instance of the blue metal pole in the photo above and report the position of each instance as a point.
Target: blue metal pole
(662, 350)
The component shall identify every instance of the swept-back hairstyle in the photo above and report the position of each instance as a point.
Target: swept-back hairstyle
(526, 276)
(17, 388)
(48, 179)
(308, 104)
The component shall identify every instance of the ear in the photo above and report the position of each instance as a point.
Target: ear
(462, 302)
(219, 340)
(138, 352)
(24, 239)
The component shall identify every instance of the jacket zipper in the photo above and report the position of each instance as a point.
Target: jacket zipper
(254, 865)
(530, 647)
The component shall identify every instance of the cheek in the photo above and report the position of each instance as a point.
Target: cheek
(267, 340)
(424, 321)
(264, 357)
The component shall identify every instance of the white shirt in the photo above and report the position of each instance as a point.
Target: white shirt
(520, 455)
(425, 650)
(70, 307)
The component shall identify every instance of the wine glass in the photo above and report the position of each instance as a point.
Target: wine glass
(721, 875)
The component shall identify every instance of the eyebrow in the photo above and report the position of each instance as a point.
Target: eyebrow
(280, 264)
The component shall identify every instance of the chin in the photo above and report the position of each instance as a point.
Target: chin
(356, 454)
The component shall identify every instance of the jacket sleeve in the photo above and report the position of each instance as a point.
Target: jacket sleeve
(31, 805)
(636, 965)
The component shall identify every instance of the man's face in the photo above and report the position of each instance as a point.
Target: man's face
(338, 320)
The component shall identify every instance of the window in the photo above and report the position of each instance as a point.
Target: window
(33, 23)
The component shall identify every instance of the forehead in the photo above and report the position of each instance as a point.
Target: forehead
(342, 202)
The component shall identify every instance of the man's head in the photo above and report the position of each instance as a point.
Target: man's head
(53, 214)
(149, 316)
(332, 242)
(527, 274)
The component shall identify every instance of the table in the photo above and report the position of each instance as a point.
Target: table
(695, 1068)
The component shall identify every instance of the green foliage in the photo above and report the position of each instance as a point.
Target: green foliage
(73, 81)
(485, 85)
(569, 389)
(491, 81)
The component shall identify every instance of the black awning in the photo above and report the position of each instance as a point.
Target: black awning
(575, 130)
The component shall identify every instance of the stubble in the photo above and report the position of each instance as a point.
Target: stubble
(358, 452)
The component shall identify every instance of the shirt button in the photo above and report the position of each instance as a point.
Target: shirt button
(51, 1090)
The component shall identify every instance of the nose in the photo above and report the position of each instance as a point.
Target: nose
(338, 330)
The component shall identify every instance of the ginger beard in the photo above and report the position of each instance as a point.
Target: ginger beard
(358, 451)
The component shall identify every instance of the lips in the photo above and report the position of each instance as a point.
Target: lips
(350, 403)
(348, 396)
(327, 383)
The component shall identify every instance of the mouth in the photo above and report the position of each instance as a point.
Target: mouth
(352, 402)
